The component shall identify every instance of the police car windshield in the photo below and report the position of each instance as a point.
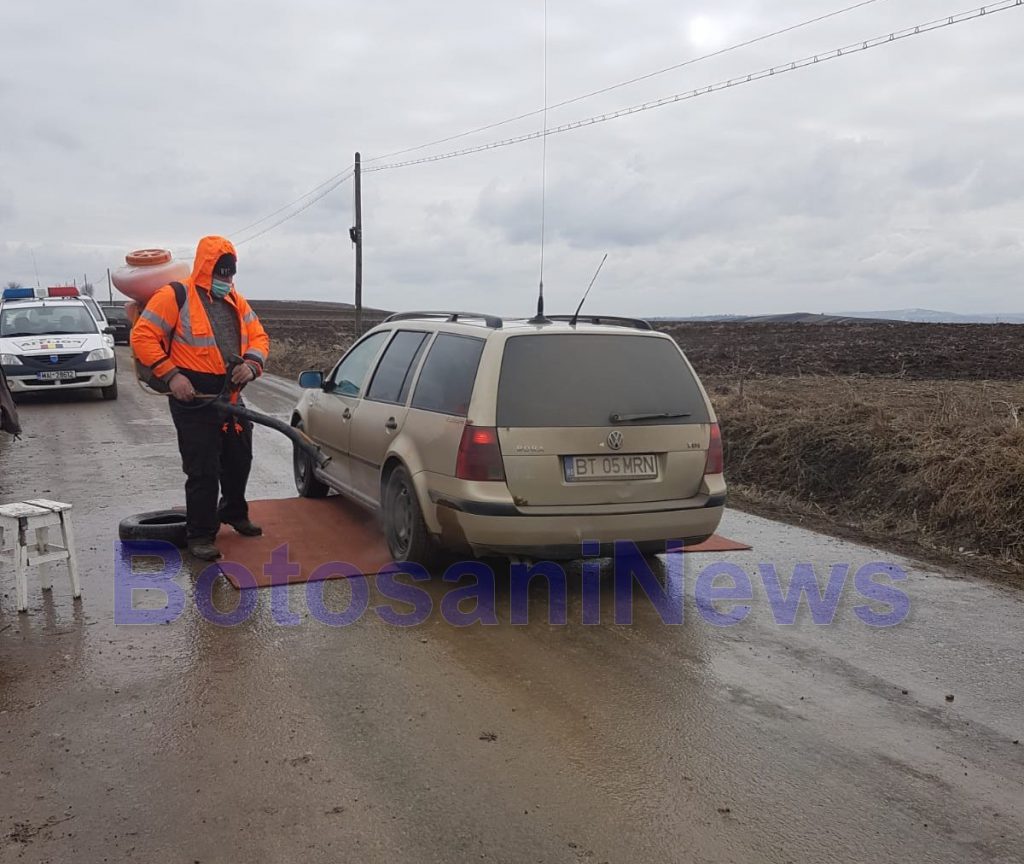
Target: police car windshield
(50, 320)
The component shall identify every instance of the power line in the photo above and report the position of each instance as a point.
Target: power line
(306, 206)
(920, 29)
(562, 104)
(621, 84)
(857, 47)
(303, 197)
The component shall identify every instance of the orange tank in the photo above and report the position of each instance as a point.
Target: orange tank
(148, 270)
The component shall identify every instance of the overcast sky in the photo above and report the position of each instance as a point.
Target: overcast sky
(889, 179)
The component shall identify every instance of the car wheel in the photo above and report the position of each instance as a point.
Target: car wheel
(165, 525)
(109, 392)
(404, 529)
(306, 482)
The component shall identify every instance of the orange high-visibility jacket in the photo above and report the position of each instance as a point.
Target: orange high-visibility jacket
(194, 346)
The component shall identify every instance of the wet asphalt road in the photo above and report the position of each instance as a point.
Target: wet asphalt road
(541, 743)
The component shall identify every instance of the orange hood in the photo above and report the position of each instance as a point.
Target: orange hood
(208, 252)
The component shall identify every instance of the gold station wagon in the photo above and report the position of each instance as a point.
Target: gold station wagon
(521, 438)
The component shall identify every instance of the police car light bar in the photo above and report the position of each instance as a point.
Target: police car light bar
(18, 294)
(62, 291)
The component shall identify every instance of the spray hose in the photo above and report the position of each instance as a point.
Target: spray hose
(298, 437)
(223, 402)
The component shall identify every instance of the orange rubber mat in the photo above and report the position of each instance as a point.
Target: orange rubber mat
(316, 532)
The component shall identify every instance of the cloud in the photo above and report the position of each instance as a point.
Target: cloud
(890, 178)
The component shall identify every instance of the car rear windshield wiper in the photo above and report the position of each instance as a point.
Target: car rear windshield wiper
(630, 418)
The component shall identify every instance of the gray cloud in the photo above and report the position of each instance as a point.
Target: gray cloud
(890, 179)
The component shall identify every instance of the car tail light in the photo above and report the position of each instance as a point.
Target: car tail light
(62, 291)
(479, 455)
(716, 458)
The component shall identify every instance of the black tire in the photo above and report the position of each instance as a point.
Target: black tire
(109, 393)
(166, 525)
(404, 529)
(306, 482)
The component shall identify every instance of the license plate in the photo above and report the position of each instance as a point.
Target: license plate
(61, 375)
(632, 466)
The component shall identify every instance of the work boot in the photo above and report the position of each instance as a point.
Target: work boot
(204, 550)
(246, 527)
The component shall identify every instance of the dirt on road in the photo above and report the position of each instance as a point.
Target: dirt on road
(648, 742)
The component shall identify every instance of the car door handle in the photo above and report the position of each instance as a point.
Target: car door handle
(391, 425)
(346, 414)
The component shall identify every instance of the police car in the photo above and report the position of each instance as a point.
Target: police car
(49, 340)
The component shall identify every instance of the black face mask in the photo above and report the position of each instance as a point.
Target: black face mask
(225, 267)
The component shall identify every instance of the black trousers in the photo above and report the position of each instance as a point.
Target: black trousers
(216, 455)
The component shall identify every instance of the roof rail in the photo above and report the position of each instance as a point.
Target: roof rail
(620, 320)
(492, 321)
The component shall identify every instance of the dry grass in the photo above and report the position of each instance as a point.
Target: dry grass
(941, 463)
(290, 356)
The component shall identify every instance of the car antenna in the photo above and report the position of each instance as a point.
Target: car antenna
(576, 315)
(540, 318)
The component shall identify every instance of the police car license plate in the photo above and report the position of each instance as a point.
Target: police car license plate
(632, 466)
(63, 374)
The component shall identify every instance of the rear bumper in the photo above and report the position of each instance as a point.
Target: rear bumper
(562, 537)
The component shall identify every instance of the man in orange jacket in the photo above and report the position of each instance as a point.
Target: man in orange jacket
(189, 340)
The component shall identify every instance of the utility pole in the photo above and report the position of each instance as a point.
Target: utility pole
(110, 287)
(356, 233)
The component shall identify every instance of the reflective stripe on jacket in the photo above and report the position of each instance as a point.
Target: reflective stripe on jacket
(194, 346)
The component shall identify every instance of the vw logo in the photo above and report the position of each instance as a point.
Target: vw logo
(54, 358)
(615, 440)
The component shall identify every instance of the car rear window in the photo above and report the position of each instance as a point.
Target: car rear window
(393, 377)
(582, 379)
(446, 383)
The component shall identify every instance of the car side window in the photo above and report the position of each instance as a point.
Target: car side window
(93, 308)
(349, 375)
(394, 373)
(446, 383)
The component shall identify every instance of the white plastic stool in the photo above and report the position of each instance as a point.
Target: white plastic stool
(25, 535)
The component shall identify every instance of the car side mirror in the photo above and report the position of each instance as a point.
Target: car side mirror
(109, 330)
(311, 380)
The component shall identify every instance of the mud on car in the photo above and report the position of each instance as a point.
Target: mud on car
(470, 433)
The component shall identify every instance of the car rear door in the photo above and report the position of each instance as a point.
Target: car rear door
(595, 419)
(380, 415)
